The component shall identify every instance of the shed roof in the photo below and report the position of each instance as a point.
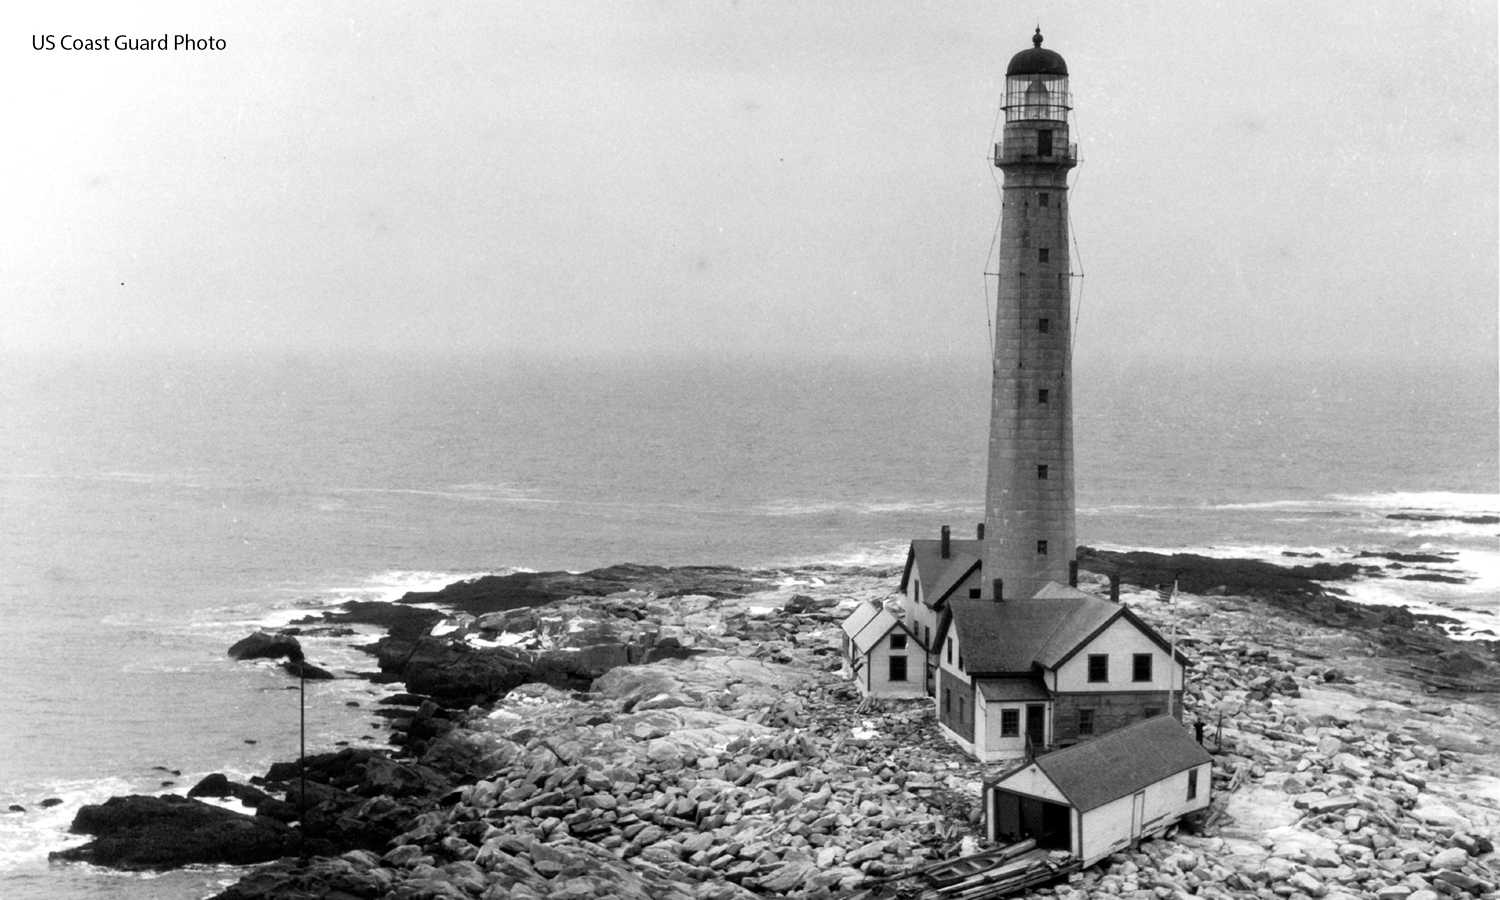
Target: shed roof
(1121, 762)
(1013, 690)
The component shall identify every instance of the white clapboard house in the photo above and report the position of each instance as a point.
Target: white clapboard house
(881, 655)
(1096, 798)
(936, 572)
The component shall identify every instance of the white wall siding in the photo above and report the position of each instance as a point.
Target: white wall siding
(1032, 782)
(1121, 641)
(1110, 827)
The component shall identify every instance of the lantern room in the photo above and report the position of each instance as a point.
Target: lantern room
(1036, 85)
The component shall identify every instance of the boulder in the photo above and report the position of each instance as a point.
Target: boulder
(167, 832)
(265, 645)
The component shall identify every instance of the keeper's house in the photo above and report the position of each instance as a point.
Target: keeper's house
(882, 656)
(1020, 677)
(1096, 798)
(936, 572)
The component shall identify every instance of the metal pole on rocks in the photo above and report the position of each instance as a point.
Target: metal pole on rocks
(302, 748)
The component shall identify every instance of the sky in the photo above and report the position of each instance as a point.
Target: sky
(1308, 180)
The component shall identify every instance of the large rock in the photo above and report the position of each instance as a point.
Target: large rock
(265, 645)
(167, 832)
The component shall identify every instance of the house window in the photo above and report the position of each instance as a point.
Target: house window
(1041, 473)
(1085, 723)
(1042, 253)
(1140, 667)
(1010, 723)
(898, 668)
(1192, 783)
(1041, 396)
(1098, 668)
(898, 642)
(960, 709)
(973, 593)
(926, 636)
(1041, 548)
(960, 662)
(1043, 325)
(947, 700)
(950, 650)
(1043, 199)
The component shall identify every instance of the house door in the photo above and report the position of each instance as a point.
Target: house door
(1036, 725)
(1137, 815)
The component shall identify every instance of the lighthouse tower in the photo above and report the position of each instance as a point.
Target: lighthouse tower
(1029, 519)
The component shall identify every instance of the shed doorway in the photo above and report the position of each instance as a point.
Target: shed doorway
(1016, 817)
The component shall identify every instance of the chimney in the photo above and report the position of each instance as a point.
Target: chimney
(1073, 574)
(1114, 587)
(947, 543)
(981, 531)
(999, 589)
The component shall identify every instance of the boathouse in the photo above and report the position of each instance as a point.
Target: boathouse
(1096, 798)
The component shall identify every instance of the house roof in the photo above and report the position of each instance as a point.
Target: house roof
(1013, 690)
(874, 627)
(1121, 762)
(1010, 636)
(861, 617)
(939, 576)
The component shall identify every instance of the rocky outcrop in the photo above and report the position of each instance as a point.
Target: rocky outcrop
(169, 832)
(266, 645)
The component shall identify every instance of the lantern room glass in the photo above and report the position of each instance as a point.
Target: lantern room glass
(1029, 97)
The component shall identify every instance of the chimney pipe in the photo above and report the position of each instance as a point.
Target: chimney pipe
(981, 531)
(1073, 574)
(1114, 587)
(999, 589)
(947, 543)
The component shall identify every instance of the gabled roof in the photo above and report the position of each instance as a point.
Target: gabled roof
(874, 627)
(1121, 762)
(861, 617)
(1054, 591)
(1008, 637)
(940, 576)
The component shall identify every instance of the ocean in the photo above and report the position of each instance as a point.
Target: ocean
(155, 510)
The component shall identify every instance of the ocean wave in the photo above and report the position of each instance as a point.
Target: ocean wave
(1434, 502)
(861, 507)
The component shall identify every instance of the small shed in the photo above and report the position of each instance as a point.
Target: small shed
(882, 655)
(1095, 798)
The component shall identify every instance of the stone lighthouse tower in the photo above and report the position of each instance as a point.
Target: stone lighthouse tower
(1029, 519)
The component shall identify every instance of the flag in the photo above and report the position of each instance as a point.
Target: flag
(1165, 594)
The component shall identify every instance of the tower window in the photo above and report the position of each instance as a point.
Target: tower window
(1043, 325)
(1041, 395)
(1044, 142)
(1041, 548)
(1042, 253)
(1043, 199)
(1041, 473)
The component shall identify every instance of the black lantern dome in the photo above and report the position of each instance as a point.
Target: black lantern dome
(1036, 85)
(1037, 61)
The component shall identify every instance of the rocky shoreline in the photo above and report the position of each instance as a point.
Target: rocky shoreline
(683, 733)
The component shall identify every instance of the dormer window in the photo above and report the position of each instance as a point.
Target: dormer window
(1042, 254)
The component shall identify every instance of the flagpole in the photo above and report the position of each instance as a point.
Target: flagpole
(1172, 658)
